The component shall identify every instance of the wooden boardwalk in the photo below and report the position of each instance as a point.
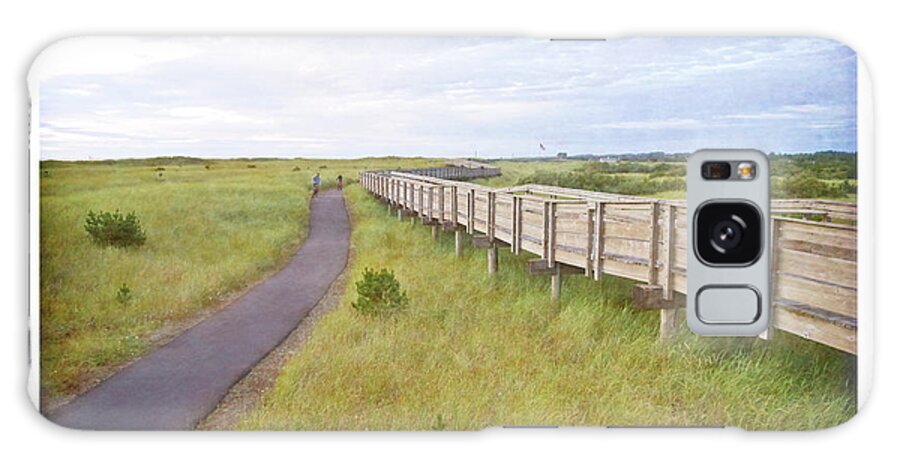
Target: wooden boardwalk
(643, 239)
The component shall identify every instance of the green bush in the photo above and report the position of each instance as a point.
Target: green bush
(123, 295)
(379, 294)
(114, 229)
(807, 185)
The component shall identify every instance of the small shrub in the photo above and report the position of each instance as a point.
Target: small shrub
(123, 295)
(115, 229)
(251, 166)
(160, 168)
(207, 167)
(296, 168)
(379, 294)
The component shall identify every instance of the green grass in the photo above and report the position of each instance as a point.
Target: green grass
(210, 233)
(588, 175)
(472, 352)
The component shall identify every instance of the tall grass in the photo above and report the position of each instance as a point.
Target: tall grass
(213, 228)
(472, 352)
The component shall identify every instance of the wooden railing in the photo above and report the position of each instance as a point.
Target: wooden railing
(644, 239)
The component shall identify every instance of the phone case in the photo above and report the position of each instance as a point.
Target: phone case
(435, 233)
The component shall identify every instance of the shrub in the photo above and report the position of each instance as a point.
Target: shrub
(251, 166)
(114, 229)
(379, 294)
(123, 295)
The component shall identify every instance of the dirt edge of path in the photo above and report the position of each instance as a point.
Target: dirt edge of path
(244, 396)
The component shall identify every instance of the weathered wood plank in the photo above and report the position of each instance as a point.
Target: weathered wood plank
(841, 300)
(816, 329)
(539, 267)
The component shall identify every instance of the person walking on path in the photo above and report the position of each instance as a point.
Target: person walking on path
(316, 180)
(340, 182)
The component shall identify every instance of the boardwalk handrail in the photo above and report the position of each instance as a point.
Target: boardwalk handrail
(644, 239)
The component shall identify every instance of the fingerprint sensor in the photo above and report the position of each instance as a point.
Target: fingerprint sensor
(728, 304)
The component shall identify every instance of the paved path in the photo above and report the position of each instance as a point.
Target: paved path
(180, 383)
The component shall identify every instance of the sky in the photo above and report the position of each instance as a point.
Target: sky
(106, 97)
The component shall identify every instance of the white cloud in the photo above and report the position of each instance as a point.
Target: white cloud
(105, 56)
(352, 96)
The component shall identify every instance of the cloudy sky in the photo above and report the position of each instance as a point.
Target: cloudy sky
(495, 97)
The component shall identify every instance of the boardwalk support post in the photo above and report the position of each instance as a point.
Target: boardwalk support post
(667, 327)
(555, 283)
(492, 259)
(540, 267)
(648, 296)
(459, 242)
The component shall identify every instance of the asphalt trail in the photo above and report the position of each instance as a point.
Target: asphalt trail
(177, 385)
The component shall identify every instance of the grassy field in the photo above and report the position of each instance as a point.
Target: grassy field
(213, 228)
(473, 352)
(793, 176)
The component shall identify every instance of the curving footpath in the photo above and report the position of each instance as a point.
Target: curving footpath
(177, 385)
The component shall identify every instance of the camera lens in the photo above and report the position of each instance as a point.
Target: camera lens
(728, 233)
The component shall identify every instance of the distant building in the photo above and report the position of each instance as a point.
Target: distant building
(562, 155)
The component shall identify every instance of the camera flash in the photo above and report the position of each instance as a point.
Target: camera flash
(746, 170)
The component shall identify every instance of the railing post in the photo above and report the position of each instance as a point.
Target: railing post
(545, 231)
(551, 233)
(669, 254)
(653, 273)
(470, 206)
(441, 207)
(491, 215)
(588, 264)
(599, 242)
(775, 242)
(454, 206)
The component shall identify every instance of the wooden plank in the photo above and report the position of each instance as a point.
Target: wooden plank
(650, 296)
(817, 233)
(818, 330)
(539, 267)
(841, 300)
(616, 228)
(481, 241)
(822, 268)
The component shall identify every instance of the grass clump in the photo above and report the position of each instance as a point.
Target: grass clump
(115, 229)
(379, 294)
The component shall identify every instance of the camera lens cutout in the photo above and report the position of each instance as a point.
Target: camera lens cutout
(728, 233)
(716, 170)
